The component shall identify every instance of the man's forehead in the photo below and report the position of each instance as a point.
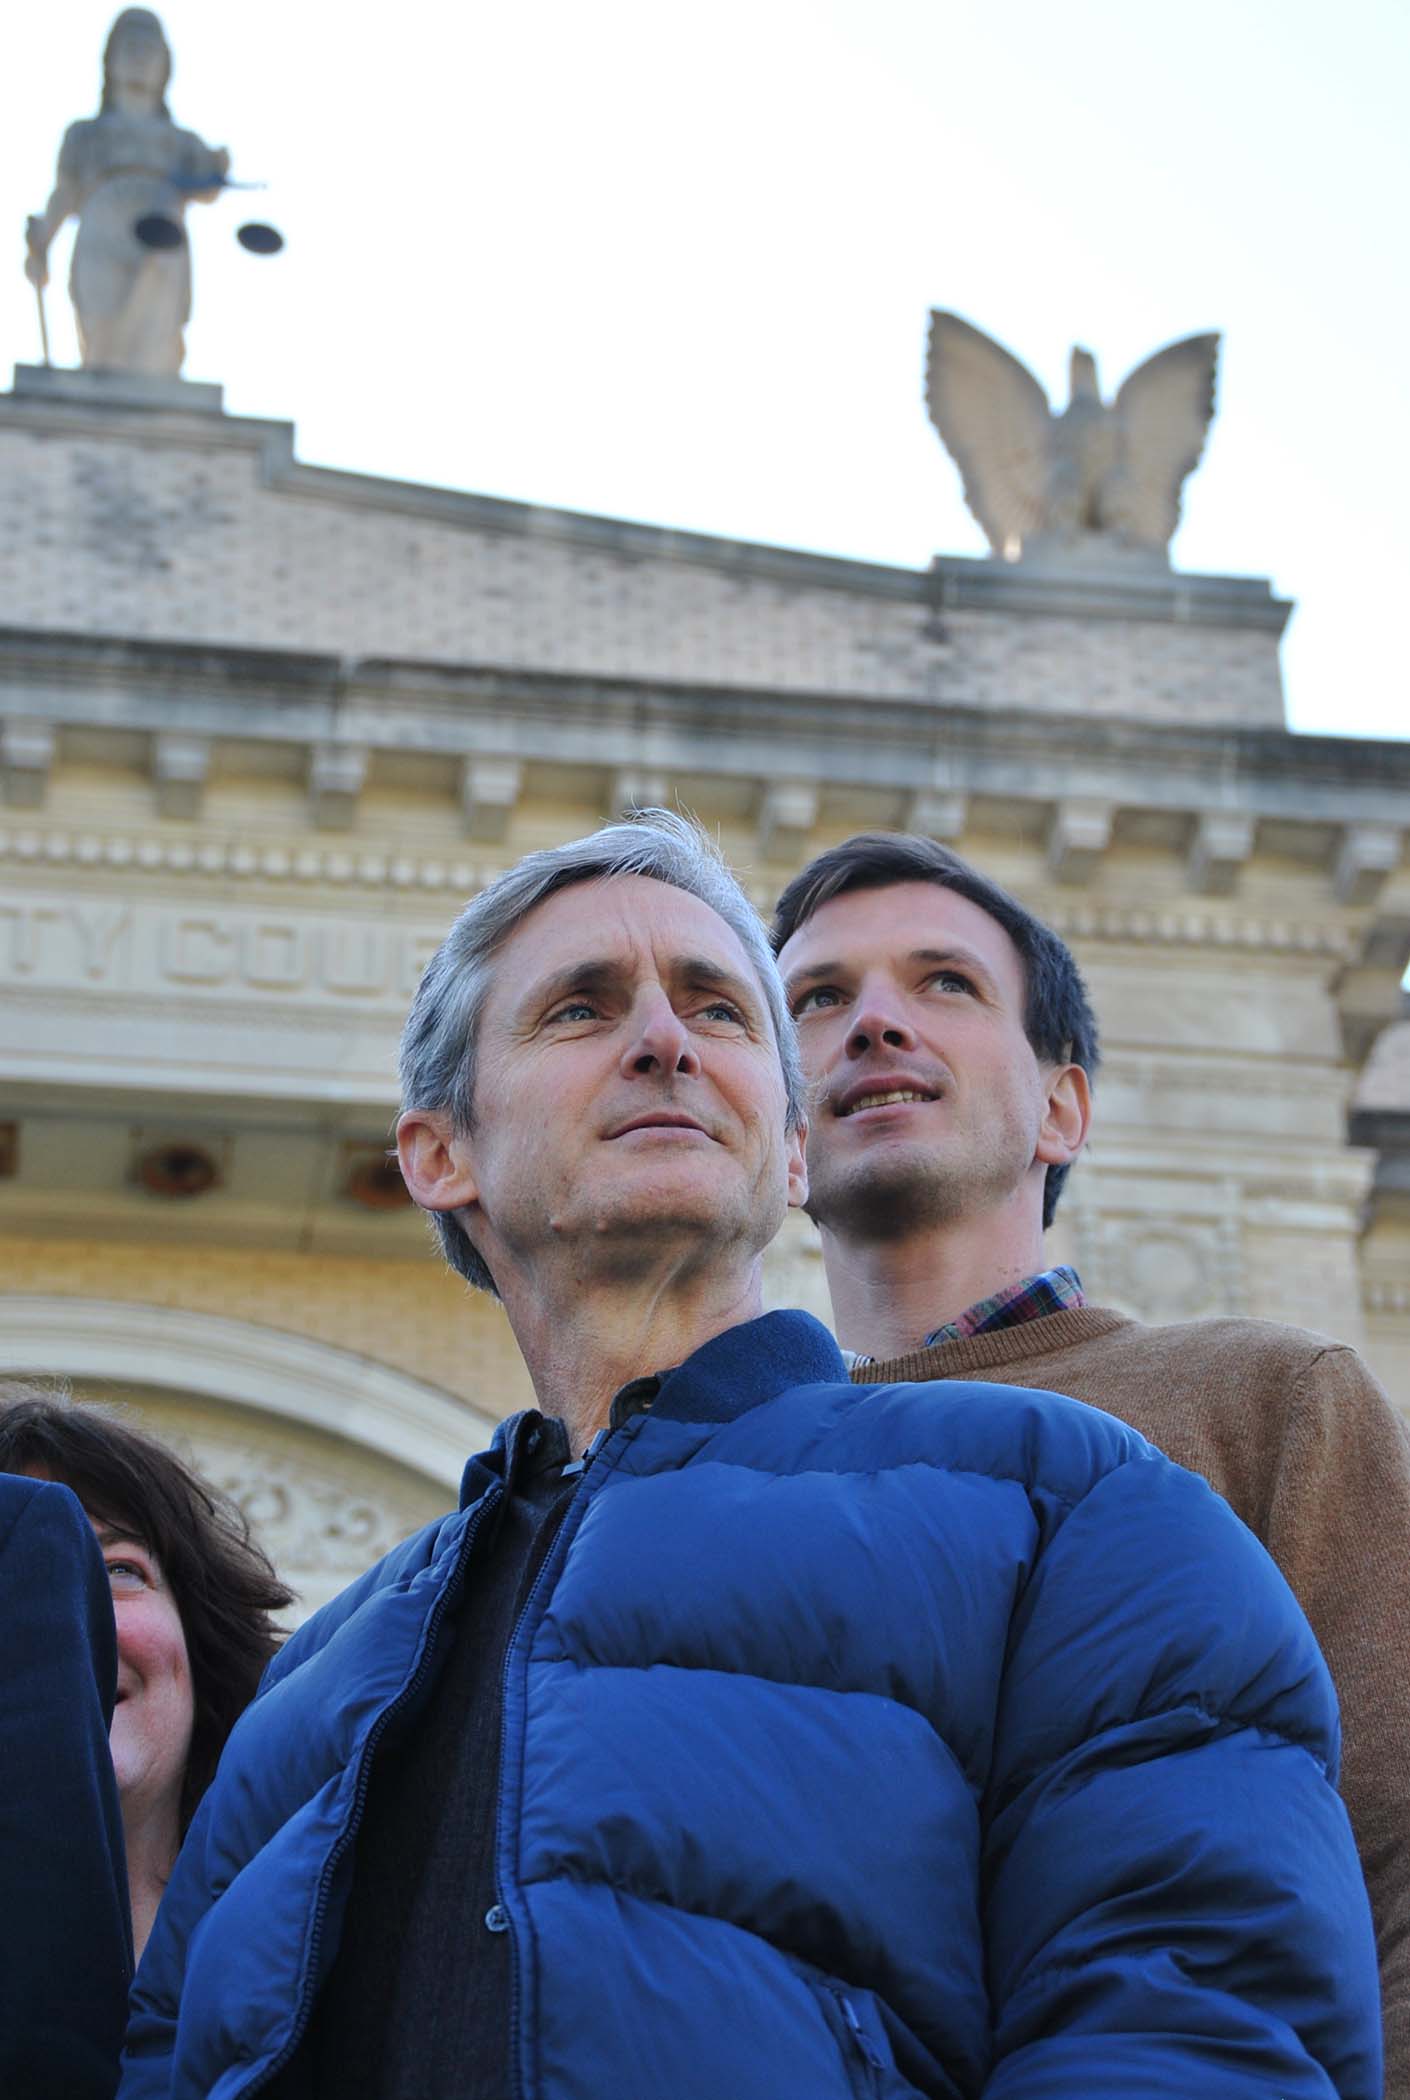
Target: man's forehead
(894, 920)
(616, 919)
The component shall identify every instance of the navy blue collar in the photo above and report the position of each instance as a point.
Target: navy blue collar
(747, 1365)
(721, 1380)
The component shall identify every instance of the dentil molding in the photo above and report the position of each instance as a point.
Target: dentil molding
(136, 855)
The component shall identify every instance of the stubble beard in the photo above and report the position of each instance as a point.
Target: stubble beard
(895, 1192)
(707, 1227)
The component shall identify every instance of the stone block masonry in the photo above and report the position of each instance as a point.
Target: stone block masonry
(183, 524)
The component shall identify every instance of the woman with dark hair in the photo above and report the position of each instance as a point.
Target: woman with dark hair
(192, 1600)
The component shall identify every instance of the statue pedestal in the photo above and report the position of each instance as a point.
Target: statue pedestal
(1119, 586)
(116, 389)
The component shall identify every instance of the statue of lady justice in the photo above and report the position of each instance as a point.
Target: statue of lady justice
(129, 166)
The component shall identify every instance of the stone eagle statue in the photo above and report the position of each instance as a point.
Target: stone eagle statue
(1096, 480)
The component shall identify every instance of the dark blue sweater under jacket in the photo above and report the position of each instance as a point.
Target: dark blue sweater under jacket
(857, 1741)
(65, 1940)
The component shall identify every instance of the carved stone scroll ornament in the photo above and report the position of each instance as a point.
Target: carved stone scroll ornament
(1100, 480)
(309, 1522)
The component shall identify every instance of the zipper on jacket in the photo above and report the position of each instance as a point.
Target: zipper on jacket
(860, 2038)
(553, 1561)
(579, 1466)
(449, 1591)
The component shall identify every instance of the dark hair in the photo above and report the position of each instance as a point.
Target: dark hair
(1057, 1017)
(223, 1586)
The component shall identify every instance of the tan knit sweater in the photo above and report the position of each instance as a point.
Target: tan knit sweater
(1298, 1437)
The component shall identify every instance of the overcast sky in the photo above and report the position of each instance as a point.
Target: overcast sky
(675, 263)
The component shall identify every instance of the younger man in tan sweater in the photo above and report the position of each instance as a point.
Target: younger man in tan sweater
(949, 1043)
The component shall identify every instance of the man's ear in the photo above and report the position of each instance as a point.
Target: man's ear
(436, 1164)
(797, 1141)
(1067, 1118)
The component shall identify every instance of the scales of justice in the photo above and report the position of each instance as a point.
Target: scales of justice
(128, 175)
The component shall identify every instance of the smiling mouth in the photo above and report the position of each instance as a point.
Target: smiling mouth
(885, 1099)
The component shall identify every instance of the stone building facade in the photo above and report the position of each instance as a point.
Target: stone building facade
(264, 726)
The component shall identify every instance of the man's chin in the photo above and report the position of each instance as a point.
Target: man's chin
(886, 1196)
(665, 1215)
(677, 1205)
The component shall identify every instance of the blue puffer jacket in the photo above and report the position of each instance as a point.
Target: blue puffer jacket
(857, 1741)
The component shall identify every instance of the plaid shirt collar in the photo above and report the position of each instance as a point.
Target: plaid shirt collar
(1053, 1290)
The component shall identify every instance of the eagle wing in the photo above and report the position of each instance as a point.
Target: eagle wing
(995, 422)
(1162, 415)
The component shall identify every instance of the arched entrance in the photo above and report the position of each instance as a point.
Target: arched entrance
(333, 1456)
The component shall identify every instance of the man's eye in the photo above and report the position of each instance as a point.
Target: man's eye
(722, 1010)
(951, 981)
(574, 1010)
(816, 999)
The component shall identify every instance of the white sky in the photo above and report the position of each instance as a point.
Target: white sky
(675, 264)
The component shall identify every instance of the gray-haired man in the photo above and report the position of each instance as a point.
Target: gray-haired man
(747, 1735)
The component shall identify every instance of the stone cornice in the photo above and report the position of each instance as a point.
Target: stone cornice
(285, 697)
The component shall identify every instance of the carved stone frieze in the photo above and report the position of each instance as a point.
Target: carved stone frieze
(323, 1511)
(1161, 1268)
(308, 1523)
(1174, 1275)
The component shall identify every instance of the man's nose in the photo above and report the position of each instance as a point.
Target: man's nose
(659, 1040)
(878, 1023)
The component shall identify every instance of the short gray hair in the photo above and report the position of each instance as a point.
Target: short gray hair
(438, 1044)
